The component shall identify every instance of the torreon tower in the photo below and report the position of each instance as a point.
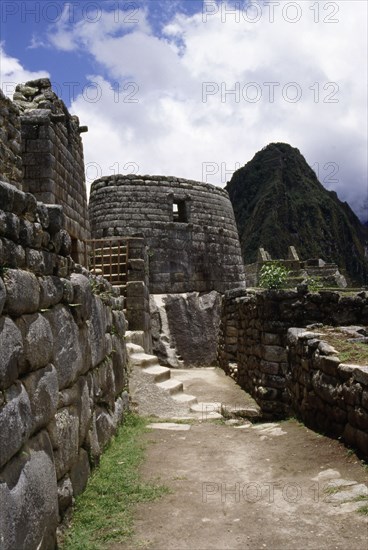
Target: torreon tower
(188, 226)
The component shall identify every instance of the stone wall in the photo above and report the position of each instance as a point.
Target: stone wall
(189, 228)
(253, 335)
(62, 371)
(325, 393)
(52, 157)
(137, 306)
(10, 143)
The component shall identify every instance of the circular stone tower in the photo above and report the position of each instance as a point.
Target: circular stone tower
(189, 228)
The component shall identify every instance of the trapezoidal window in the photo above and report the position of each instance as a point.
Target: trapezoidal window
(179, 211)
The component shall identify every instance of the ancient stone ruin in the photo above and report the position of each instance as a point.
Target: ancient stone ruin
(326, 274)
(161, 270)
(188, 226)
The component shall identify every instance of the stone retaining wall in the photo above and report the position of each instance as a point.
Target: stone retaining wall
(325, 393)
(254, 335)
(62, 371)
(189, 228)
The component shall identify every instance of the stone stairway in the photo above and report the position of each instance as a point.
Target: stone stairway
(155, 392)
(158, 375)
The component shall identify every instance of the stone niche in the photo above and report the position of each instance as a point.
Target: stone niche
(188, 226)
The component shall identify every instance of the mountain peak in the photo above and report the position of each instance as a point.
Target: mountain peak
(279, 202)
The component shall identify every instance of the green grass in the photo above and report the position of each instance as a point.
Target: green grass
(104, 512)
(363, 510)
(348, 352)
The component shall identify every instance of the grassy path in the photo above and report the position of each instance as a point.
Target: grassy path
(103, 513)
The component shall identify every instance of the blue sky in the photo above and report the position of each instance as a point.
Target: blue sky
(203, 85)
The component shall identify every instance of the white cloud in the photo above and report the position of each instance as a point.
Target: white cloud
(172, 129)
(12, 73)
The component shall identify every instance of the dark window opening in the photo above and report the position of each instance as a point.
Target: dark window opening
(180, 213)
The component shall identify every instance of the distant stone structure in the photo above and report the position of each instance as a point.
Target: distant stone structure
(188, 226)
(51, 152)
(327, 274)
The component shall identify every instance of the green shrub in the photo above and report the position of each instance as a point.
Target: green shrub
(273, 275)
(314, 283)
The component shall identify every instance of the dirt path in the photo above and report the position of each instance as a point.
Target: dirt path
(278, 486)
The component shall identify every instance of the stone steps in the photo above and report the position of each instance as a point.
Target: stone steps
(171, 386)
(160, 376)
(158, 373)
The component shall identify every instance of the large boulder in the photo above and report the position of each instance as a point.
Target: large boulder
(28, 497)
(193, 323)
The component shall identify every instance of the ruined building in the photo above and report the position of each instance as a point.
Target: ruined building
(188, 226)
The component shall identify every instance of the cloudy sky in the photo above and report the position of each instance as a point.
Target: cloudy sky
(195, 89)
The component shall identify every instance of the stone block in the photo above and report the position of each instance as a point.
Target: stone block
(119, 362)
(352, 394)
(329, 365)
(35, 261)
(67, 358)
(66, 440)
(56, 218)
(2, 294)
(269, 367)
(26, 233)
(82, 298)
(92, 443)
(65, 494)
(51, 291)
(105, 426)
(104, 384)
(28, 496)
(42, 388)
(97, 328)
(38, 341)
(119, 324)
(358, 417)
(360, 374)
(11, 346)
(22, 292)
(80, 473)
(276, 354)
(13, 255)
(15, 422)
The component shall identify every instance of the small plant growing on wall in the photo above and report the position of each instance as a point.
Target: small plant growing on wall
(314, 283)
(273, 275)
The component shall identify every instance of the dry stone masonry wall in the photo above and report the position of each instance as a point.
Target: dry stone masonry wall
(52, 157)
(253, 347)
(189, 228)
(10, 143)
(62, 371)
(325, 393)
